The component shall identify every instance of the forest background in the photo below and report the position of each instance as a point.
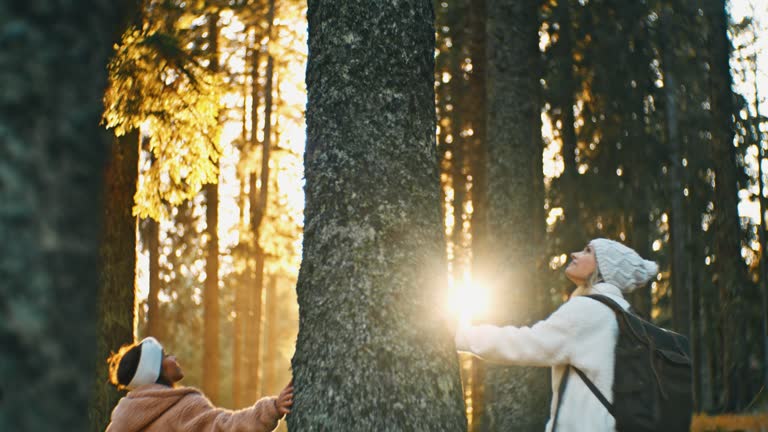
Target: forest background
(556, 122)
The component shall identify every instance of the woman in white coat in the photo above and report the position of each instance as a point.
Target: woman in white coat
(582, 332)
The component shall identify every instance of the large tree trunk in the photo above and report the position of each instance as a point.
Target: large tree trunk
(211, 293)
(117, 299)
(727, 263)
(516, 397)
(52, 160)
(371, 346)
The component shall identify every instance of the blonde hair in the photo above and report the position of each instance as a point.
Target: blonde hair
(594, 278)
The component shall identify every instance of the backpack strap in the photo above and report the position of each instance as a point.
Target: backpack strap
(560, 393)
(611, 303)
(596, 391)
(619, 311)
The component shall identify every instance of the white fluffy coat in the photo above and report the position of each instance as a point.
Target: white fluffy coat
(582, 332)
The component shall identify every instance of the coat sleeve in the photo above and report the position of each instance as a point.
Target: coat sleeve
(199, 415)
(547, 343)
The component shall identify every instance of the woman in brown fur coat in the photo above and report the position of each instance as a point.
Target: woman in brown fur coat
(154, 403)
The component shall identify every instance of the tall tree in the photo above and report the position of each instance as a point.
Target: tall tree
(211, 292)
(370, 346)
(153, 301)
(259, 201)
(561, 90)
(152, 234)
(53, 157)
(241, 252)
(681, 283)
(139, 82)
(727, 246)
(117, 299)
(271, 303)
(258, 196)
(516, 397)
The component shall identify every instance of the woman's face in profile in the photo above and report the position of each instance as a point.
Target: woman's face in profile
(582, 265)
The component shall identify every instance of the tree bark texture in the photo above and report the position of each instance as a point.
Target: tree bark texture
(117, 298)
(372, 347)
(516, 397)
(52, 161)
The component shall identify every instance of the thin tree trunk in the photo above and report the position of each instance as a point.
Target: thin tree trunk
(239, 334)
(727, 264)
(373, 253)
(251, 333)
(697, 350)
(153, 306)
(211, 293)
(478, 166)
(153, 248)
(270, 337)
(457, 164)
(516, 397)
(117, 300)
(479, 163)
(240, 307)
(258, 212)
(763, 287)
(572, 239)
(681, 299)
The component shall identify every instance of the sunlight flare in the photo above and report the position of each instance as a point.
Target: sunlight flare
(468, 300)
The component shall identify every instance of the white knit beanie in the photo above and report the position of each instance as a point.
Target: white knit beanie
(622, 266)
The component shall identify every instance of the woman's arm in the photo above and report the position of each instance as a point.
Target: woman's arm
(547, 343)
(198, 414)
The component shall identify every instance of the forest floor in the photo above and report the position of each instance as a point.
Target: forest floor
(730, 423)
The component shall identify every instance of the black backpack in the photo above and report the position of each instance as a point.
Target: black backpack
(652, 385)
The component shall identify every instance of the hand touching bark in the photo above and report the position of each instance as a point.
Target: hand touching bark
(284, 400)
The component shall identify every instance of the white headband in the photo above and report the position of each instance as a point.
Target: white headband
(148, 370)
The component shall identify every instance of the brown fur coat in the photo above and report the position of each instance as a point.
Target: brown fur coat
(155, 408)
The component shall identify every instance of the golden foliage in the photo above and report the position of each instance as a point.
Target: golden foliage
(156, 83)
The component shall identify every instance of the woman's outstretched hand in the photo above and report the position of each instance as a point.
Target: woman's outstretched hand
(284, 400)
